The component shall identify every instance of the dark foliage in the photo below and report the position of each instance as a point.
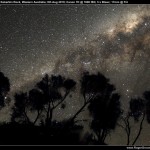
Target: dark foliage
(104, 105)
(36, 99)
(147, 98)
(19, 109)
(47, 95)
(50, 93)
(4, 88)
(93, 84)
(136, 108)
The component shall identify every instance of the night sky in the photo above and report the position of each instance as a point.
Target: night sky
(71, 39)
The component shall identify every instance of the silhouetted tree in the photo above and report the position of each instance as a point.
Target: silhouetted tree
(4, 88)
(19, 109)
(36, 102)
(142, 108)
(104, 105)
(139, 108)
(105, 110)
(125, 124)
(47, 95)
(55, 90)
(91, 87)
(25, 102)
(136, 110)
(147, 99)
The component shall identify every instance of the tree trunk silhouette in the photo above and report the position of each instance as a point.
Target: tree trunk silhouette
(104, 135)
(141, 125)
(26, 116)
(48, 113)
(37, 117)
(128, 130)
(61, 100)
(79, 111)
(50, 116)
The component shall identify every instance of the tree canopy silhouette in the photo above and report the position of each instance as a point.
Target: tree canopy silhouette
(99, 96)
(4, 88)
(91, 87)
(55, 90)
(141, 108)
(147, 99)
(20, 107)
(47, 95)
(138, 109)
(105, 106)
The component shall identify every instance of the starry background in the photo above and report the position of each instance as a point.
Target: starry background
(71, 39)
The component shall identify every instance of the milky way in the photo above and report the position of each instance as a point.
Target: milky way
(71, 39)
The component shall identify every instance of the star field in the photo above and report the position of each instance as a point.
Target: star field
(71, 39)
